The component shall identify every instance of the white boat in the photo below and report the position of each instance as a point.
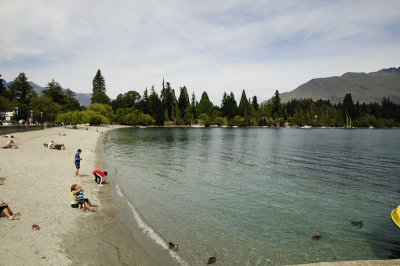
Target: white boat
(197, 126)
(305, 126)
(213, 126)
(371, 127)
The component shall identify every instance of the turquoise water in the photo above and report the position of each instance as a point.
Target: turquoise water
(256, 196)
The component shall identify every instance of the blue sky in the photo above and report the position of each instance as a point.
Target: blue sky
(213, 46)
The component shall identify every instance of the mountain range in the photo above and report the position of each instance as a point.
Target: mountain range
(364, 87)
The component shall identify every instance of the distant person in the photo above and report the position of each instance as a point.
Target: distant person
(9, 136)
(5, 209)
(1, 181)
(78, 199)
(78, 160)
(11, 144)
(100, 177)
(52, 145)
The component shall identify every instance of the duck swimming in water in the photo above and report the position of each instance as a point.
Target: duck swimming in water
(212, 259)
(172, 246)
(360, 223)
(316, 237)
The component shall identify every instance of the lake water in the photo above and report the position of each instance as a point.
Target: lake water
(256, 196)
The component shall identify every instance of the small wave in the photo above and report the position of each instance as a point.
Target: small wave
(149, 231)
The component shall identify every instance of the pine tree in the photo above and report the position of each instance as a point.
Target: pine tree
(229, 105)
(2, 87)
(99, 84)
(348, 106)
(276, 100)
(55, 92)
(205, 106)
(255, 103)
(244, 104)
(155, 108)
(193, 106)
(183, 101)
(21, 88)
(168, 99)
(72, 103)
(23, 92)
(145, 102)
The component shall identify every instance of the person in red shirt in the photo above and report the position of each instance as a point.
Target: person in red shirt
(100, 177)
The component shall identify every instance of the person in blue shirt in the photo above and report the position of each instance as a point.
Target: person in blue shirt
(78, 162)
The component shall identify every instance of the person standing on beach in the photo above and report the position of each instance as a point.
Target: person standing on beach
(78, 162)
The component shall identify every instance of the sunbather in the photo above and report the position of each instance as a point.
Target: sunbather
(10, 144)
(5, 209)
(9, 136)
(55, 146)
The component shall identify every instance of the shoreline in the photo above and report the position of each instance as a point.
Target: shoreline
(37, 182)
(107, 241)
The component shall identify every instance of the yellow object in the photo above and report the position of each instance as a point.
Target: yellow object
(396, 216)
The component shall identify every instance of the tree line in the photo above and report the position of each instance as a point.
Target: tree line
(151, 108)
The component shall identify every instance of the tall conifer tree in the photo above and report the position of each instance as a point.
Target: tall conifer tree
(183, 101)
(244, 105)
(99, 84)
(193, 106)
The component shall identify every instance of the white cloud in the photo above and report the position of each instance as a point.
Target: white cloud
(215, 46)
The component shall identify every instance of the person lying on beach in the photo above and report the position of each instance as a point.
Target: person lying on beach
(10, 144)
(1, 182)
(62, 134)
(78, 199)
(100, 177)
(9, 136)
(55, 146)
(5, 209)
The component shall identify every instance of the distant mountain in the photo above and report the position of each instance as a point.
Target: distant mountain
(83, 98)
(364, 87)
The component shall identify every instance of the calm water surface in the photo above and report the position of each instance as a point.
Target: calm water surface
(257, 196)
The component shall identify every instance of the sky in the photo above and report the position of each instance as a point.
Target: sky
(209, 45)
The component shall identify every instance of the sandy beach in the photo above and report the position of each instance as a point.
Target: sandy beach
(37, 183)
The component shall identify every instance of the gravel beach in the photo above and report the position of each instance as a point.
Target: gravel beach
(37, 183)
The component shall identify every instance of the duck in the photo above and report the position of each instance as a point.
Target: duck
(212, 259)
(360, 223)
(316, 237)
(172, 246)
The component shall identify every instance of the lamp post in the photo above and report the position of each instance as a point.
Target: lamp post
(31, 117)
(41, 118)
(16, 114)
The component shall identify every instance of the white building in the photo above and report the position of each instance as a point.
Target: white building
(9, 115)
